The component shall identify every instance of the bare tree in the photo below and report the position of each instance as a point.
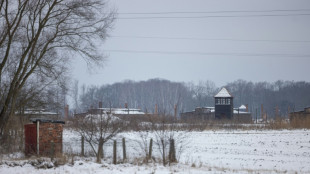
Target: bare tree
(38, 35)
(167, 137)
(97, 129)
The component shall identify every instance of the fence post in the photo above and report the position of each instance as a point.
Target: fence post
(114, 152)
(124, 150)
(52, 151)
(82, 146)
(150, 148)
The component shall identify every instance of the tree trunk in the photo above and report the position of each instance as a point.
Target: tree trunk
(100, 149)
(150, 149)
(164, 154)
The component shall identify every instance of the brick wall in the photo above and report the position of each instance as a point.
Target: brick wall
(50, 138)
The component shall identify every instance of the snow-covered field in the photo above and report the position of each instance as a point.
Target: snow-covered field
(220, 151)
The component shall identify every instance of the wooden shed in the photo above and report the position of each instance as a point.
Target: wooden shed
(43, 137)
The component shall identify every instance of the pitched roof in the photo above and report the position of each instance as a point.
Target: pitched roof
(242, 107)
(223, 93)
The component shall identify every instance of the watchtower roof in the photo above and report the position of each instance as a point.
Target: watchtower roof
(223, 93)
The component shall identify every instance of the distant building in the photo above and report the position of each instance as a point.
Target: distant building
(37, 113)
(223, 110)
(224, 105)
(200, 113)
(131, 115)
(113, 111)
(242, 115)
(300, 119)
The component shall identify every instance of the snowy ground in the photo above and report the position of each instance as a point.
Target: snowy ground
(231, 151)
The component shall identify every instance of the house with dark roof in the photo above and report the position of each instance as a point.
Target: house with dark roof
(300, 119)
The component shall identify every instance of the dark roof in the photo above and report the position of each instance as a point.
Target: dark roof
(34, 120)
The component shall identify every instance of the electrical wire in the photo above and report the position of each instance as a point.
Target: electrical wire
(222, 16)
(210, 39)
(227, 11)
(213, 53)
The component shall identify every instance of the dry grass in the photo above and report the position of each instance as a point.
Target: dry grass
(300, 122)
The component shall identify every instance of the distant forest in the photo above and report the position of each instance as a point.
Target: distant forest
(286, 95)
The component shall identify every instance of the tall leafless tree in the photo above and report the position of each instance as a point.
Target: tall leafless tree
(36, 36)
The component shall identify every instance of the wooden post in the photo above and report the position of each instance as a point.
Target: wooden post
(82, 146)
(172, 157)
(38, 137)
(124, 150)
(114, 152)
(150, 148)
(52, 151)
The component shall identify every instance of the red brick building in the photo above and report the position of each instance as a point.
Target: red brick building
(43, 137)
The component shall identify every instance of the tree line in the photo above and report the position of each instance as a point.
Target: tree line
(288, 96)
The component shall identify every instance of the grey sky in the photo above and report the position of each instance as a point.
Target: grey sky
(207, 55)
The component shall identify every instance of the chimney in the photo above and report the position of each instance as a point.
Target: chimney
(277, 111)
(66, 113)
(175, 112)
(246, 108)
(100, 104)
(288, 111)
(156, 110)
(262, 111)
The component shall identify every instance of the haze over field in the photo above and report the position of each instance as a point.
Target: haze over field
(198, 40)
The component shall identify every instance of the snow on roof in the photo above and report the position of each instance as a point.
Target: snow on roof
(223, 93)
(123, 111)
(128, 111)
(38, 112)
(242, 107)
(241, 112)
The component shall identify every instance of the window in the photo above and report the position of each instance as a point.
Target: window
(228, 101)
(223, 101)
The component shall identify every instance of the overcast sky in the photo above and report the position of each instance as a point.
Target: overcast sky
(254, 40)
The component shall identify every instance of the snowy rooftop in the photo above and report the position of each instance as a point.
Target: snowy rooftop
(122, 111)
(38, 112)
(242, 107)
(223, 93)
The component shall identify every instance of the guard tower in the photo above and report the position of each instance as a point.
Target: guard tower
(224, 105)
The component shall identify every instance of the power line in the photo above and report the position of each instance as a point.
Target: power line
(221, 16)
(210, 39)
(223, 11)
(213, 53)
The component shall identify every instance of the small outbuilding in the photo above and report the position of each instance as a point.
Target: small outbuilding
(300, 119)
(43, 137)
